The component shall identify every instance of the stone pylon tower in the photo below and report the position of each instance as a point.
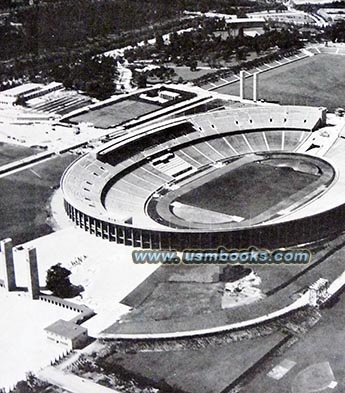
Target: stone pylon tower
(6, 257)
(242, 84)
(33, 284)
(255, 86)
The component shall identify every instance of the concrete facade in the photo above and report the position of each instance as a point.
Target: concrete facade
(68, 334)
(8, 263)
(33, 284)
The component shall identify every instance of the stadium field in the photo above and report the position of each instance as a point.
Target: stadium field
(249, 190)
(116, 113)
(316, 81)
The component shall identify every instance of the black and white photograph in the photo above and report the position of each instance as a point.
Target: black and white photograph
(172, 196)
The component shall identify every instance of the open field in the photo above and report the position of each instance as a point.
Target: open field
(324, 343)
(317, 81)
(203, 68)
(176, 274)
(282, 284)
(247, 191)
(25, 197)
(187, 75)
(161, 295)
(10, 152)
(115, 113)
(205, 370)
(197, 298)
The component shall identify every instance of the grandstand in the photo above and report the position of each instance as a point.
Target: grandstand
(52, 98)
(60, 102)
(126, 191)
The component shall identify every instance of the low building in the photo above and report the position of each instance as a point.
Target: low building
(68, 333)
(168, 95)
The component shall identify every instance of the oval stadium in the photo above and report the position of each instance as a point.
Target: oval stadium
(269, 176)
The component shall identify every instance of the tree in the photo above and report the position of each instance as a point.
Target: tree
(240, 54)
(93, 75)
(159, 41)
(193, 65)
(22, 387)
(58, 282)
(141, 80)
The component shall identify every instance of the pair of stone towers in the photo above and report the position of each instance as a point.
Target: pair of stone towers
(7, 264)
(255, 85)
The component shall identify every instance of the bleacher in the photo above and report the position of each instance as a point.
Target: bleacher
(223, 149)
(274, 140)
(195, 155)
(207, 151)
(257, 141)
(145, 179)
(115, 185)
(148, 168)
(263, 118)
(60, 102)
(294, 138)
(239, 144)
(173, 166)
(149, 143)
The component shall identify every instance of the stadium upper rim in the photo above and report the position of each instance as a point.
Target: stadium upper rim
(106, 192)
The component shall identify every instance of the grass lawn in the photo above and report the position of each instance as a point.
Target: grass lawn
(166, 274)
(206, 370)
(116, 113)
(233, 193)
(316, 81)
(186, 74)
(204, 68)
(197, 298)
(10, 152)
(168, 301)
(24, 199)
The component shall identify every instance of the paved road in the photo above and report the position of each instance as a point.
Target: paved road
(71, 382)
